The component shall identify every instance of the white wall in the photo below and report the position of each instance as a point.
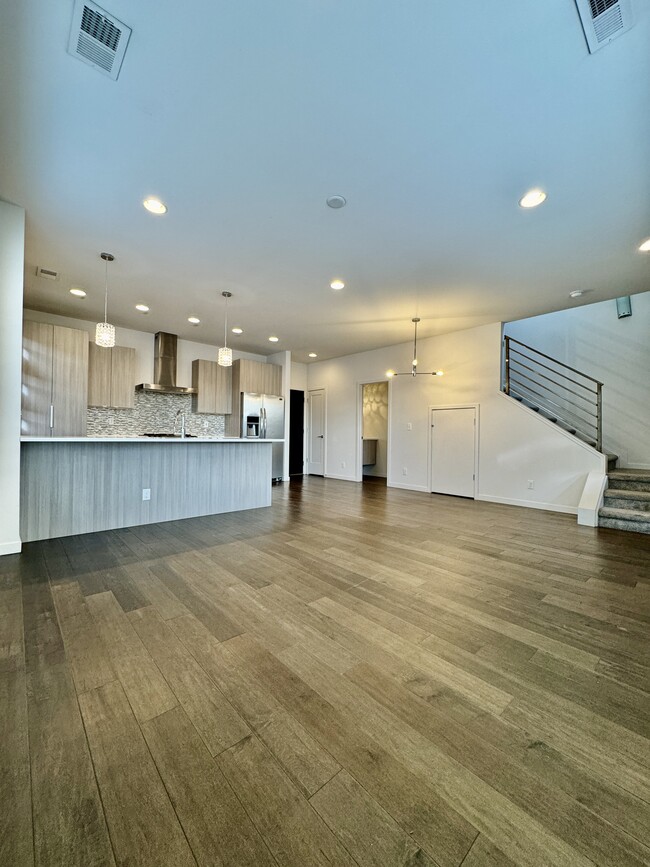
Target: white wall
(299, 376)
(12, 254)
(143, 343)
(616, 351)
(515, 444)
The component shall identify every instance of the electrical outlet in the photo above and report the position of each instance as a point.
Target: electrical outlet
(146, 494)
(110, 420)
(342, 465)
(531, 484)
(403, 471)
(409, 425)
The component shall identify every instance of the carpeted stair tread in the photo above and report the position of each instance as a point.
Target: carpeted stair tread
(625, 514)
(625, 494)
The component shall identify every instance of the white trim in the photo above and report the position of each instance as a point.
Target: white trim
(341, 478)
(592, 498)
(421, 488)
(477, 428)
(529, 504)
(10, 548)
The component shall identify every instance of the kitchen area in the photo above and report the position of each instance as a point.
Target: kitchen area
(109, 440)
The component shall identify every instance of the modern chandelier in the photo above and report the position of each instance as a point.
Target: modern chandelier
(104, 331)
(224, 357)
(414, 365)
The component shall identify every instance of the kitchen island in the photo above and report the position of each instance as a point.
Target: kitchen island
(73, 485)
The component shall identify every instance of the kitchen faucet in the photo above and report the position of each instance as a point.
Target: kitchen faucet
(180, 413)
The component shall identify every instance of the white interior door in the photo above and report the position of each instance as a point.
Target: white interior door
(453, 451)
(316, 453)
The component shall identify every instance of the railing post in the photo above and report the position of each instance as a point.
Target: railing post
(506, 341)
(599, 418)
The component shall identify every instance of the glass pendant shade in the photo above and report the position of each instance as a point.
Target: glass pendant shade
(105, 334)
(224, 357)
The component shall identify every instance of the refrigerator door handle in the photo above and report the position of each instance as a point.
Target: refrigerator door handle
(263, 422)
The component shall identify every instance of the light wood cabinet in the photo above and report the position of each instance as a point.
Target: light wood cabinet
(55, 380)
(259, 378)
(111, 376)
(255, 377)
(214, 385)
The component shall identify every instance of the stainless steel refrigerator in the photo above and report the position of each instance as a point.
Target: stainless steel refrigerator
(262, 417)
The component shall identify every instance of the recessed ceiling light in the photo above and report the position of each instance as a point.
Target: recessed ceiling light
(313, 355)
(337, 284)
(238, 331)
(532, 198)
(155, 206)
(274, 339)
(142, 308)
(576, 293)
(79, 293)
(193, 320)
(336, 202)
(645, 246)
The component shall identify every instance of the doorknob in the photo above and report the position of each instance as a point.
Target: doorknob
(320, 436)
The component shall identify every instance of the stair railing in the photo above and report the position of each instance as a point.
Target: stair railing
(566, 396)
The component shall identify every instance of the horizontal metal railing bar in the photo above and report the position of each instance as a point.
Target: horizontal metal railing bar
(590, 388)
(565, 402)
(553, 408)
(554, 360)
(592, 394)
(569, 424)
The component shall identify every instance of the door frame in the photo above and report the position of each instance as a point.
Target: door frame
(477, 428)
(308, 426)
(358, 461)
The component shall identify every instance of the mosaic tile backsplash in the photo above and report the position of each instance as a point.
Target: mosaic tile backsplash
(153, 413)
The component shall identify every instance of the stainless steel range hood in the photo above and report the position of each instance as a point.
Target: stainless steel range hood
(164, 367)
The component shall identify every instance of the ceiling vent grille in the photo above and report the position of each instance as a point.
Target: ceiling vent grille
(47, 273)
(604, 20)
(98, 38)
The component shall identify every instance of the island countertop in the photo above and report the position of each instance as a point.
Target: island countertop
(144, 439)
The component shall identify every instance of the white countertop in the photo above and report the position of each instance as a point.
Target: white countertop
(186, 440)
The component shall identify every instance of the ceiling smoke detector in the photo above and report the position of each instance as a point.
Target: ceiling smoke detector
(336, 202)
(604, 20)
(97, 38)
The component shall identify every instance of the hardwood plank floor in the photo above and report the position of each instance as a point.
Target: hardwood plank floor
(356, 676)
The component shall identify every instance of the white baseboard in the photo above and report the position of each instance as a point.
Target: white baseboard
(340, 478)
(529, 504)
(421, 488)
(10, 547)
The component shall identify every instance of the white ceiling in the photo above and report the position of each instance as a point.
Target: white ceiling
(431, 118)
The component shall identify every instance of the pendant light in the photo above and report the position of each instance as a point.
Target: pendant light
(104, 331)
(414, 365)
(225, 352)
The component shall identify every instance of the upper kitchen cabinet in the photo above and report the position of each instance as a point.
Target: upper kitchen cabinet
(257, 377)
(214, 385)
(55, 380)
(111, 376)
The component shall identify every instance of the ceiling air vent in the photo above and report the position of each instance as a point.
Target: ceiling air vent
(47, 273)
(604, 20)
(97, 38)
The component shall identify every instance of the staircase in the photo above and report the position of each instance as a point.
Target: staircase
(569, 398)
(627, 501)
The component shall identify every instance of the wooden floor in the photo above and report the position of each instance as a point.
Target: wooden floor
(358, 675)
